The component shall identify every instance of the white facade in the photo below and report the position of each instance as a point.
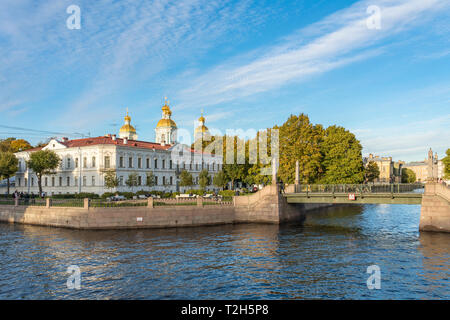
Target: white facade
(82, 169)
(84, 162)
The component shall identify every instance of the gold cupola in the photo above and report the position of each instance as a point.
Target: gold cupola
(201, 130)
(165, 130)
(127, 130)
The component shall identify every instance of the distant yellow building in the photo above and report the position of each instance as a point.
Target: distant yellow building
(430, 168)
(390, 171)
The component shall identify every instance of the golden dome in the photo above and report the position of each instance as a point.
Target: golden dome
(128, 128)
(166, 123)
(202, 129)
(127, 117)
(201, 119)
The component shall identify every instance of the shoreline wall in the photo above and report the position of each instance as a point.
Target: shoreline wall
(265, 206)
(435, 211)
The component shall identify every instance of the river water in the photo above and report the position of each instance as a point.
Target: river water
(326, 258)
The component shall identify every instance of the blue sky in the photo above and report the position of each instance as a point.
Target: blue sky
(248, 64)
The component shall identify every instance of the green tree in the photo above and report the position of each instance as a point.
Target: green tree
(5, 144)
(300, 140)
(43, 162)
(220, 179)
(111, 180)
(446, 162)
(19, 145)
(204, 179)
(234, 172)
(342, 158)
(371, 172)
(186, 179)
(132, 180)
(408, 176)
(8, 166)
(150, 179)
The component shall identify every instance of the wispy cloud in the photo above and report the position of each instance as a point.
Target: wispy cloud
(337, 40)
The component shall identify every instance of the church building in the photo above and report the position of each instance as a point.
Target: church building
(84, 162)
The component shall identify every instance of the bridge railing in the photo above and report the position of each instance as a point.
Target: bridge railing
(358, 188)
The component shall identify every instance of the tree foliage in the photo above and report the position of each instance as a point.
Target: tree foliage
(300, 140)
(132, 180)
(111, 179)
(204, 179)
(220, 179)
(43, 162)
(8, 166)
(371, 172)
(446, 162)
(408, 176)
(150, 179)
(186, 179)
(14, 145)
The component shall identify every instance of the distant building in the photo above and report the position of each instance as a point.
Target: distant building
(430, 168)
(390, 171)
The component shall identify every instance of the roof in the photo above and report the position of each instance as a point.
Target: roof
(109, 140)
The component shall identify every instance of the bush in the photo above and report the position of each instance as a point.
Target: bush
(198, 192)
(81, 195)
(227, 193)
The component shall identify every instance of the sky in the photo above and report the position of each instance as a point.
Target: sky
(380, 68)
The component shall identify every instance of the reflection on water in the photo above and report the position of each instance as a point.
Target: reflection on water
(327, 257)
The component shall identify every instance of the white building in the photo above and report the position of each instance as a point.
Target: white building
(84, 162)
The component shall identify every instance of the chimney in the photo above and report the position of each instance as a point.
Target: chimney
(125, 140)
(114, 137)
(65, 139)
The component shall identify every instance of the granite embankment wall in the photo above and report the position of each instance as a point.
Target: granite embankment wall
(270, 206)
(265, 206)
(435, 212)
(118, 218)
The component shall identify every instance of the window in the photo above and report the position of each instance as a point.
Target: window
(148, 163)
(93, 162)
(171, 181)
(140, 163)
(196, 166)
(68, 181)
(93, 181)
(45, 182)
(139, 180)
(76, 162)
(156, 163)
(32, 181)
(18, 182)
(68, 163)
(60, 181)
(84, 181)
(121, 162)
(84, 162)
(53, 181)
(170, 164)
(163, 164)
(121, 181)
(156, 181)
(107, 162)
(26, 182)
(76, 181)
(130, 162)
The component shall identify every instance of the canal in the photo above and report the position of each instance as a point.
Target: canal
(326, 258)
